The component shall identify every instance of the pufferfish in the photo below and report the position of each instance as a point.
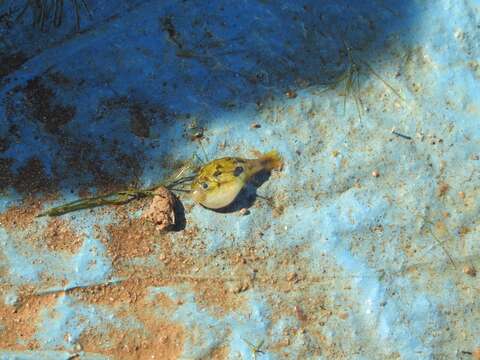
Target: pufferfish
(219, 182)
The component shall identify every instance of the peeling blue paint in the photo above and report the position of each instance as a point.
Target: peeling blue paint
(68, 319)
(26, 264)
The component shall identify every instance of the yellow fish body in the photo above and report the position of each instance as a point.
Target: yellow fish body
(218, 183)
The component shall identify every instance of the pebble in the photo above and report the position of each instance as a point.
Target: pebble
(442, 189)
(244, 211)
(291, 94)
(161, 210)
(470, 270)
(292, 276)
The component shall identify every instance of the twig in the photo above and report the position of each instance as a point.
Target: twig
(85, 5)
(256, 349)
(77, 14)
(394, 132)
(58, 13)
(122, 197)
(382, 80)
(351, 79)
(440, 243)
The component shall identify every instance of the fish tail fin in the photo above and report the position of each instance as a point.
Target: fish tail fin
(271, 161)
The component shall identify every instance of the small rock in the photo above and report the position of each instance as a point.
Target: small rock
(291, 94)
(442, 189)
(375, 173)
(244, 211)
(161, 211)
(255, 126)
(343, 316)
(197, 135)
(239, 287)
(461, 194)
(470, 270)
(292, 277)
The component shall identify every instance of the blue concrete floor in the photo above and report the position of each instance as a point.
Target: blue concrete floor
(367, 244)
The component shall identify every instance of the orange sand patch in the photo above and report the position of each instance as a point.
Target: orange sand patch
(157, 339)
(214, 295)
(59, 236)
(132, 238)
(21, 216)
(19, 321)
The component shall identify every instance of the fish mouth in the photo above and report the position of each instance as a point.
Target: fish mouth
(197, 196)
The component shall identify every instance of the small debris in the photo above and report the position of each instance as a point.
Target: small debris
(169, 28)
(278, 211)
(285, 342)
(292, 277)
(470, 270)
(375, 173)
(256, 349)
(194, 131)
(162, 209)
(240, 287)
(343, 315)
(255, 126)
(394, 132)
(244, 211)
(464, 230)
(300, 314)
(197, 135)
(442, 189)
(291, 94)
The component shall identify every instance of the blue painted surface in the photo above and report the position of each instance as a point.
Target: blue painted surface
(370, 248)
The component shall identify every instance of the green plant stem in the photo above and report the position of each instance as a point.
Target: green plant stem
(114, 198)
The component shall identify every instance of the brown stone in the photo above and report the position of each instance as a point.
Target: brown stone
(162, 209)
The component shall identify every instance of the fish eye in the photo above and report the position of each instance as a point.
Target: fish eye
(238, 170)
(205, 185)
